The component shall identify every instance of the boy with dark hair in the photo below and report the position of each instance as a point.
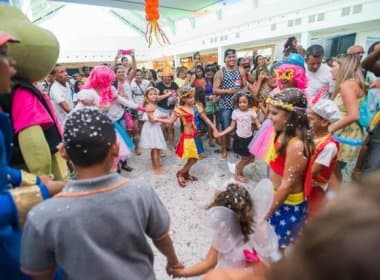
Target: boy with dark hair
(96, 227)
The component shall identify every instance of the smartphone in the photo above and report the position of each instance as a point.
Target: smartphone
(126, 52)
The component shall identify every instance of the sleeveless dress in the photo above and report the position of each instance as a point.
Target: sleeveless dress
(189, 144)
(151, 133)
(231, 79)
(350, 137)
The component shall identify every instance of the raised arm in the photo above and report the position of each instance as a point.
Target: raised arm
(133, 70)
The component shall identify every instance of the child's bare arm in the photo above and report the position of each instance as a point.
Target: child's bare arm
(170, 120)
(206, 120)
(257, 123)
(200, 268)
(228, 129)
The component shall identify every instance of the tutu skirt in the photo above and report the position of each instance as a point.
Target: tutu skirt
(126, 145)
(260, 144)
(189, 146)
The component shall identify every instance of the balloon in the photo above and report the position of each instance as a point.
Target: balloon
(38, 51)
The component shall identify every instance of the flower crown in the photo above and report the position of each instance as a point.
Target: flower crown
(285, 106)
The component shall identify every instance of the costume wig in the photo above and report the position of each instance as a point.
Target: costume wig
(294, 72)
(101, 78)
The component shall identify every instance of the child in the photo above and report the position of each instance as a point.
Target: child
(188, 146)
(97, 226)
(98, 93)
(242, 118)
(241, 236)
(289, 163)
(324, 158)
(152, 136)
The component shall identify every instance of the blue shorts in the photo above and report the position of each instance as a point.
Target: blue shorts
(287, 221)
(225, 117)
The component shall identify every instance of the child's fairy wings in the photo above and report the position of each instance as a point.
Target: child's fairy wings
(264, 238)
(262, 198)
(226, 227)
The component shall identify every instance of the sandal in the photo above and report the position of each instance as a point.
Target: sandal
(189, 177)
(181, 179)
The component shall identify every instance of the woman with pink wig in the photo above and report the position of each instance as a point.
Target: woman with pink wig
(289, 74)
(99, 93)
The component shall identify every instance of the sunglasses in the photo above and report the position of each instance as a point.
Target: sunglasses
(285, 75)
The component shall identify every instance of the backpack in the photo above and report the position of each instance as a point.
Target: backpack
(368, 107)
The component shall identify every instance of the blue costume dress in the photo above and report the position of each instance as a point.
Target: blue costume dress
(14, 204)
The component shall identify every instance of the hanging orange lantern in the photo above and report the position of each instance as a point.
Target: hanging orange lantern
(152, 15)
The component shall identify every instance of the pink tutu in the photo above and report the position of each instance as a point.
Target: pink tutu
(260, 144)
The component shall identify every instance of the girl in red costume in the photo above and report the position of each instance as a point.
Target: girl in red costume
(189, 146)
(288, 163)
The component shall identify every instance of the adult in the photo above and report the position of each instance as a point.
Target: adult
(245, 67)
(290, 46)
(211, 100)
(356, 50)
(319, 75)
(347, 95)
(227, 82)
(36, 125)
(182, 79)
(151, 76)
(260, 61)
(86, 70)
(15, 202)
(167, 100)
(198, 79)
(372, 61)
(60, 93)
(138, 87)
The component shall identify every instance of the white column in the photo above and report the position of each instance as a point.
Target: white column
(305, 39)
(221, 55)
(177, 61)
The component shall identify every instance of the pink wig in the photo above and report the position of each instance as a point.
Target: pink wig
(101, 78)
(299, 77)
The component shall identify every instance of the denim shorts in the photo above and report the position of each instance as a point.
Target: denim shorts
(225, 117)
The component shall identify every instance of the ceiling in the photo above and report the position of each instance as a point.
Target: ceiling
(172, 9)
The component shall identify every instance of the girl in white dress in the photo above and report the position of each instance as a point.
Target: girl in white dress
(151, 133)
(241, 235)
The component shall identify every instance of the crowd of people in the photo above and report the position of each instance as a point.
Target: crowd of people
(315, 126)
